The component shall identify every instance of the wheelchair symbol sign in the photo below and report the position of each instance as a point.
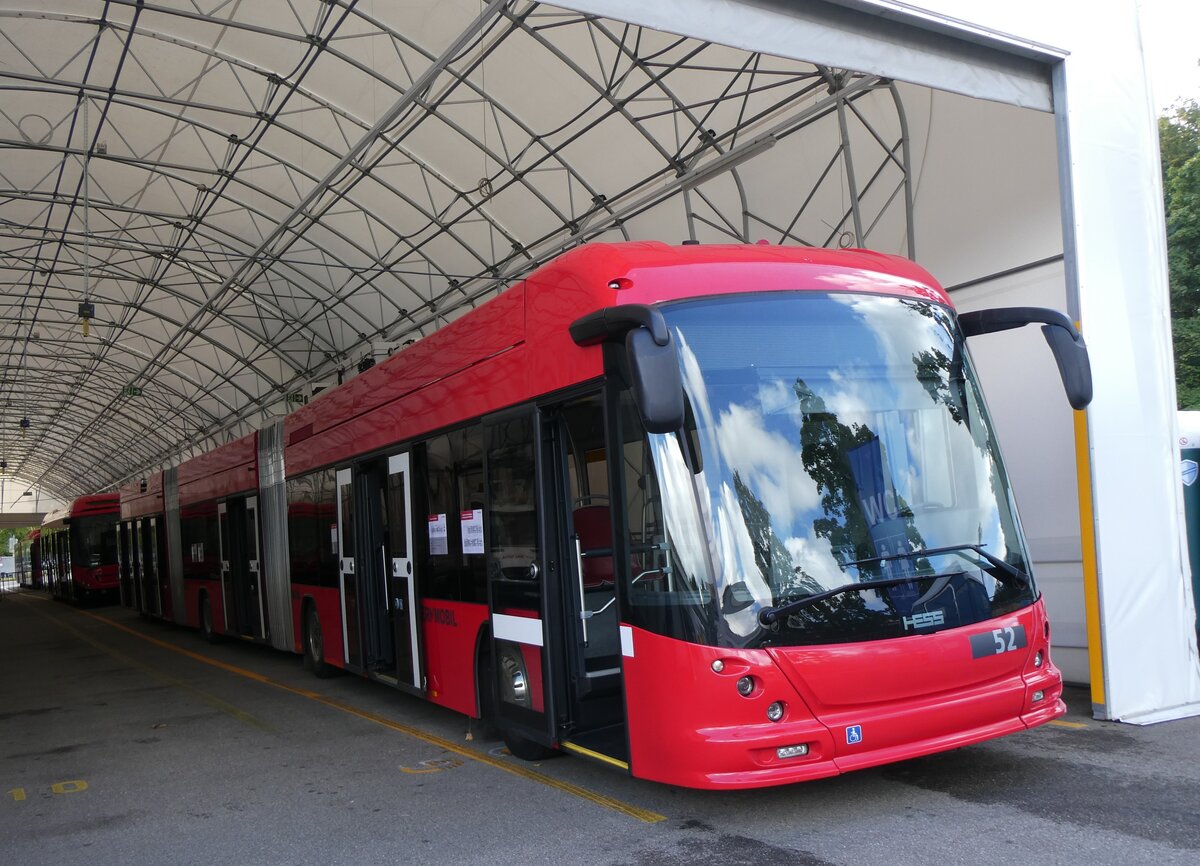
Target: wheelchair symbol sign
(854, 735)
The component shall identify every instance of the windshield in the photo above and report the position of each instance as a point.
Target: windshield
(835, 439)
(95, 541)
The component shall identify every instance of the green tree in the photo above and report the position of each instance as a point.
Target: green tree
(18, 534)
(1179, 148)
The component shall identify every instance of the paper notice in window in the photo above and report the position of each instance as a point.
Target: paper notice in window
(472, 530)
(438, 543)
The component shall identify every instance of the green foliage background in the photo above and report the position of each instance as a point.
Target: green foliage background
(6, 534)
(1179, 146)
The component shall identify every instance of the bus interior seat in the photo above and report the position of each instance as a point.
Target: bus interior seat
(593, 526)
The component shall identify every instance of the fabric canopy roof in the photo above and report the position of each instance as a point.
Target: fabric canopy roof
(240, 202)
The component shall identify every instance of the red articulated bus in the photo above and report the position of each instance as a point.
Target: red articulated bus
(723, 517)
(29, 560)
(78, 549)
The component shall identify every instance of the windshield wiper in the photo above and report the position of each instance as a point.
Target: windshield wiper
(770, 615)
(1005, 569)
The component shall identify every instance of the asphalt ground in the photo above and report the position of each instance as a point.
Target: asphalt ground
(128, 741)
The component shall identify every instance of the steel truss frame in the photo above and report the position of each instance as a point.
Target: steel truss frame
(245, 230)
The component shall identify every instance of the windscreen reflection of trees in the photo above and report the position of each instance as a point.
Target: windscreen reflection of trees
(862, 516)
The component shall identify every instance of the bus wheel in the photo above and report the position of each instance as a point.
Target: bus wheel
(314, 645)
(526, 750)
(206, 621)
(512, 687)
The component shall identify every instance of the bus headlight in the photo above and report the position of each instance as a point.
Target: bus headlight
(745, 686)
(775, 711)
(1037, 659)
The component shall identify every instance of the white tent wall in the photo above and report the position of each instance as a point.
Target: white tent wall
(1113, 279)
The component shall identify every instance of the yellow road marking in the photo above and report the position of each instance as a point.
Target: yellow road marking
(1059, 723)
(507, 766)
(211, 700)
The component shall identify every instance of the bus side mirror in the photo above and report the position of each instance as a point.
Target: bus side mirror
(653, 360)
(656, 380)
(1066, 343)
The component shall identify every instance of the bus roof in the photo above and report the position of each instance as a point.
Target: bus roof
(674, 272)
(83, 506)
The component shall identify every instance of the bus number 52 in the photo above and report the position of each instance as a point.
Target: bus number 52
(1005, 639)
(998, 641)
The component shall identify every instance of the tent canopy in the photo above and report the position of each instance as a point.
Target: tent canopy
(209, 212)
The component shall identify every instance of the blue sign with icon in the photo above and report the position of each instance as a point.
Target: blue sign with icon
(853, 735)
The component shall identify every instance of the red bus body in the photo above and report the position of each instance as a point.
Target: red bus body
(850, 704)
(76, 544)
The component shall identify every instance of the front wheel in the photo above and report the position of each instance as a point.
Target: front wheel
(314, 646)
(512, 687)
(526, 750)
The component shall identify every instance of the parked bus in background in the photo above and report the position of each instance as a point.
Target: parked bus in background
(78, 546)
(722, 517)
(29, 560)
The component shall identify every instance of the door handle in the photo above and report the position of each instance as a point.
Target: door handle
(585, 615)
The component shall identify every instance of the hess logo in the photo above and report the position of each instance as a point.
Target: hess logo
(924, 620)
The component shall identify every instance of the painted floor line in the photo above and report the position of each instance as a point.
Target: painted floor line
(1059, 723)
(508, 766)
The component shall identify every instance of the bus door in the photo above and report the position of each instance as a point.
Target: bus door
(577, 483)
(223, 550)
(151, 592)
(402, 590)
(65, 570)
(130, 572)
(66, 576)
(372, 564)
(237, 534)
(139, 565)
(522, 587)
(123, 565)
(347, 577)
(254, 596)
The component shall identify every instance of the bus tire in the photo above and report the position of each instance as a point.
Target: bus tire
(526, 750)
(512, 686)
(207, 632)
(314, 645)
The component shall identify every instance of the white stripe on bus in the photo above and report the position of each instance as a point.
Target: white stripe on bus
(519, 629)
